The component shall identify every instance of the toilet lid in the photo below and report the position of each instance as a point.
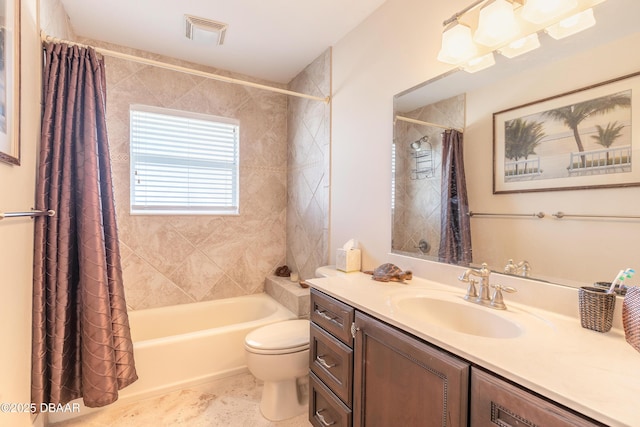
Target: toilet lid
(282, 337)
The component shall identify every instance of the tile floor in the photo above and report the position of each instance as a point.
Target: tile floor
(228, 402)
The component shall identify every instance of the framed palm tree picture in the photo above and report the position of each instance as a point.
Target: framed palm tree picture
(577, 140)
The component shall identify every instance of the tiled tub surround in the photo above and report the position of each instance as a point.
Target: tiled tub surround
(308, 160)
(171, 260)
(593, 373)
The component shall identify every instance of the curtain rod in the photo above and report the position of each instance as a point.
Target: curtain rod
(31, 214)
(420, 122)
(561, 215)
(106, 52)
(537, 214)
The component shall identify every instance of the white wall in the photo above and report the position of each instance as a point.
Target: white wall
(394, 49)
(17, 184)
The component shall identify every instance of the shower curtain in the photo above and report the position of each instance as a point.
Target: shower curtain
(81, 341)
(455, 231)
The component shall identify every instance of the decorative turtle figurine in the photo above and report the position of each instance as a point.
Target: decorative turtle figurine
(390, 273)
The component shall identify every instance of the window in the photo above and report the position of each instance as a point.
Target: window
(183, 163)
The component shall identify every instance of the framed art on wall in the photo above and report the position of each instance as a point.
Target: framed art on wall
(10, 81)
(577, 140)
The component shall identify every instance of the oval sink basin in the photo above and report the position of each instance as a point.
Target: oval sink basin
(463, 316)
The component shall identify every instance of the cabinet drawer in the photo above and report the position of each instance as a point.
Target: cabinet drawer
(496, 402)
(332, 315)
(324, 408)
(332, 362)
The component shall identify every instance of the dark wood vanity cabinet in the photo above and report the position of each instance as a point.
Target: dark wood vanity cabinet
(401, 381)
(398, 380)
(365, 372)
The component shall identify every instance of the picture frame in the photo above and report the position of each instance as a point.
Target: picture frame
(580, 139)
(10, 82)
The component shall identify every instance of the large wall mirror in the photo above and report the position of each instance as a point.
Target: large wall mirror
(591, 246)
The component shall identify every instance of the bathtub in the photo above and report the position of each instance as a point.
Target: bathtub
(188, 344)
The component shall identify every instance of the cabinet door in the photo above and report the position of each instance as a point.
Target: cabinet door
(401, 381)
(495, 402)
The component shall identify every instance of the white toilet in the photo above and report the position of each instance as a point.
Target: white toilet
(278, 354)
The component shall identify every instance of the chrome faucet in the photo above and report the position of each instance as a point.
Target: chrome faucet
(483, 273)
(522, 266)
(496, 300)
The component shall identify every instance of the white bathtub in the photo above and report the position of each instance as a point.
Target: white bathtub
(187, 344)
(192, 343)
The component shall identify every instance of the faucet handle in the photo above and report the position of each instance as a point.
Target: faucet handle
(497, 301)
(472, 293)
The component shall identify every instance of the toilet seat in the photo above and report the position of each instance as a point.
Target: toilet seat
(290, 336)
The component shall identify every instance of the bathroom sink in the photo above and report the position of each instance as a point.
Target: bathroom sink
(460, 316)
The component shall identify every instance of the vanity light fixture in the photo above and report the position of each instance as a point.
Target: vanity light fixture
(204, 29)
(509, 27)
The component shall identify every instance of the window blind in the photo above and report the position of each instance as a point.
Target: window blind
(183, 163)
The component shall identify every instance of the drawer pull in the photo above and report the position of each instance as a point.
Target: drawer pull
(321, 418)
(323, 362)
(325, 316)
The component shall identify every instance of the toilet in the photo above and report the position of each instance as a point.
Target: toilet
(278, 354)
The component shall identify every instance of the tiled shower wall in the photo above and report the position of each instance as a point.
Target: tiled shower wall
(284, 181)
(416, 212)
(308, 132)
(169, 259)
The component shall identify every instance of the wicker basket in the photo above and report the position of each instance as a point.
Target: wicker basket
(596, 308)
(631, 317)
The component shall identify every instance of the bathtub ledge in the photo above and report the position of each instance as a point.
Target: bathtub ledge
(289, 294)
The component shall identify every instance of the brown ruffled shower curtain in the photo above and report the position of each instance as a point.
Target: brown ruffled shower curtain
(81, 341)
(455, 231)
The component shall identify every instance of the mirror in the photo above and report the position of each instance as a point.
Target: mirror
(573, 250)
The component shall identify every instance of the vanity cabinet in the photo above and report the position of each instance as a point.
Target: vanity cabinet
(364, 372)
(401, 381)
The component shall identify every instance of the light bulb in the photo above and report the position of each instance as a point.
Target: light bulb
(521, 46)
(572, 25)
(496, 24)
(480, 63)
(544, 11)
(457, 45)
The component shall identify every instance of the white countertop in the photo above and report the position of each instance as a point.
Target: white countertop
(596, 374)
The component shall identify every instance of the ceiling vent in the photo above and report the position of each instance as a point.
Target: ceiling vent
(204, 29)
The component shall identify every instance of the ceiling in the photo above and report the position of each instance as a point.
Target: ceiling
(273, 40)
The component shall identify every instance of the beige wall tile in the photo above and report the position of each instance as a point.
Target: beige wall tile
(178, 259)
